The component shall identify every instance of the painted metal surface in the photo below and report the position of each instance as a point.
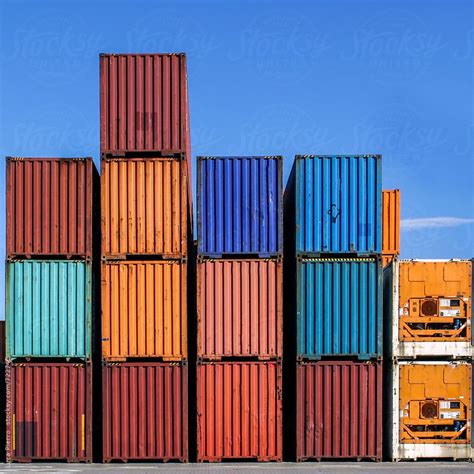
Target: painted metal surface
(144, 207)
(240, 308)
(339, 307)
(145, 411)
(337, 204)
(239, 411)
(391, 222)
(49, 412)
(2, 342)
(144, 309)
(143, 103)
(48, 308)
(240, 205)
(339, 410)
(49, 207)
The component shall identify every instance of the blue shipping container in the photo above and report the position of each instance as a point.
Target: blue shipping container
(48, 308)
(240, 205)
(338, 204)
(339, 307)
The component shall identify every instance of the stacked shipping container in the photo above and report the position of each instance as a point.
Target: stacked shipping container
(333, 232)
(390, 226)
(146, 229)
(49, 308)
(239, 309)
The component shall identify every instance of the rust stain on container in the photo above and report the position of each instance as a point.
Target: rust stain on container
(49, 412)
(49, 206)
(145, 411)
(339, 410)
(144, 207)
(240, 308)
(391, 222)
(239, 411)
(144, 309)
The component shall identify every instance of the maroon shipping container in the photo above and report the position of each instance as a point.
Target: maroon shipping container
(145, 411)
(49, 412)
(49, 207)
(339, 410)
(239, 411)
(2, 342)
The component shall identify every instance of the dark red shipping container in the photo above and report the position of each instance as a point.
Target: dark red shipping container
(49, 412)
(145, 411)
(49, 207)
(339, 410)
(239, 411)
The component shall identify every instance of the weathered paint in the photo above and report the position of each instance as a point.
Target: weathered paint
(339, 410)
(49, 206)
(49, 412)
(391, 222)
(145, 411)
(240, 308)
(48, 308)
(339, 307)
(336, 205)
(239, 411)
(240, 205)
(144, 207)
(144, 309)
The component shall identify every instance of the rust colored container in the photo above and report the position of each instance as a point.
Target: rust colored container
(240, 308)
(391, 222)
(49, 412)
(145, 411)
(143, 103)
(49, 207)
(339, 410)
(144, 309)
(239, 411)
(387, 260)
(144, 207)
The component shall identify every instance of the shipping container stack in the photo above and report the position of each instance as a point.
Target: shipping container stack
(390, 226)
(50, 308)
(239, 309)
(333, 312)
(429, 344)
(146, 228)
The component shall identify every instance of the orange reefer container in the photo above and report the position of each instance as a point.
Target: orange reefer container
(435, 300)
(144, 309)
(144, 207)
(435, 403)
(390, 224)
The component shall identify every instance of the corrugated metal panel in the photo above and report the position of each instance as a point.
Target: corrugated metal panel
(145, 411)
(240, 308)
(48, 308)
(338, 204)
(49, 206)
(391, 222)
(144, 207)
(239, 411)
(339, 410)
(2, 342)
(339, 307)
(144, 309)
(240, 205)
(143, 103)
(49, 412)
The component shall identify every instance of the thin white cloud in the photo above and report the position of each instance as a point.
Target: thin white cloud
(433, 222)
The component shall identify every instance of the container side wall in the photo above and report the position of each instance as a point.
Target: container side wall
(391, 222)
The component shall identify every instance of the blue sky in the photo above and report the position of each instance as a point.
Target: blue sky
(294, 77)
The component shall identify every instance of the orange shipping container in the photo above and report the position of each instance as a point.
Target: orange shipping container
(239, 308)
(144, 309)
(391, 222)
(144, 207)
(435, 300)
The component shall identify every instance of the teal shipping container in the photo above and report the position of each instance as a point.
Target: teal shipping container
(48, 309)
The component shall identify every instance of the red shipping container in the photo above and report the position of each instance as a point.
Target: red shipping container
(49, 412)
(339, 410)
(145, 411)
(49, 206)
(239, 411)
